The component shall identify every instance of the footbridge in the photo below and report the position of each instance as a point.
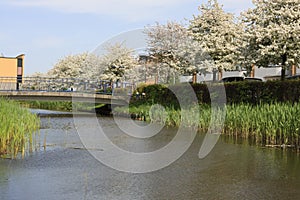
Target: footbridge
(65, 89)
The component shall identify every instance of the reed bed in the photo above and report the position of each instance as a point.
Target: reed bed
(17, 129)
(274, 124)
(277, 124)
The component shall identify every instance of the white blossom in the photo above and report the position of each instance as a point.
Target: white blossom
(81, 66)
(174, 49)
(273, 33)
(217, 33)
(118, 63)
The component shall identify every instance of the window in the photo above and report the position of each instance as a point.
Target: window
(20, 62)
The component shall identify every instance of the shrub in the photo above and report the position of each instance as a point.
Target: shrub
(236, 92)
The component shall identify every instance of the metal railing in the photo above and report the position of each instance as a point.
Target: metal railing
(62, 84)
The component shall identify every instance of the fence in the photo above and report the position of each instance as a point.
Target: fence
(62, 84)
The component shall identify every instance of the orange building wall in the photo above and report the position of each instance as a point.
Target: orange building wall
(8, 67)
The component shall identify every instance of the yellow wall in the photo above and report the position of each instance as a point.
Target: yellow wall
(8, 67)
(9, 71)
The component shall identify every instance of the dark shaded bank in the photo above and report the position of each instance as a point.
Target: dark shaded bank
(103, 110)
(61, 106)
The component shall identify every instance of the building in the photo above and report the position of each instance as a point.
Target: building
(266, 73)
(11, 72)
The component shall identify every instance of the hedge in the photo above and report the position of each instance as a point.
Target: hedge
(236, 92)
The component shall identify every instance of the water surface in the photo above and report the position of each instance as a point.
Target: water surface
(65, 170)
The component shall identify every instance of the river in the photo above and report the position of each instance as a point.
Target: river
(64, 169)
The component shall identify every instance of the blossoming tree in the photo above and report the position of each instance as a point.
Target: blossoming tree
(118, 63)
(174, 49)
(273, 33)
(82, 65)
(218, 34)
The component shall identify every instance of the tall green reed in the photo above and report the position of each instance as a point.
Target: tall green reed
(17, 129)
(266, 124)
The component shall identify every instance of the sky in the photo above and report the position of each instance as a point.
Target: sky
(48, 30)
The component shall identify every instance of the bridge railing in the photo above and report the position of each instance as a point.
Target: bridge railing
(62, 84)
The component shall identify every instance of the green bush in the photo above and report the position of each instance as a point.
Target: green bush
(263, 92)
(236, 92)
(155, 94)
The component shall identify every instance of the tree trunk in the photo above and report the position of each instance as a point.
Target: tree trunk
(194, 77)
(293, 70)
(252, 73)
(220, 74)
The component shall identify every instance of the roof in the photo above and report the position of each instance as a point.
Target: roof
(21, 55)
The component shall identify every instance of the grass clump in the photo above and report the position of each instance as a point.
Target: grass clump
(17, 129)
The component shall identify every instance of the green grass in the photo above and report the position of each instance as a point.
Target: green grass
(17, 129)
(60, 105)
(48, 105)
(274, 124)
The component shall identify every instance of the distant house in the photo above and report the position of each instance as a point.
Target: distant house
(267, 73)
(11, 72)
(274, 73)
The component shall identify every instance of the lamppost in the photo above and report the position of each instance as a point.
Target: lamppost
(145, 69)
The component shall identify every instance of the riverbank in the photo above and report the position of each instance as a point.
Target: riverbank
(17, 129)
(274, 124)
(63, 106)
(48, 105)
